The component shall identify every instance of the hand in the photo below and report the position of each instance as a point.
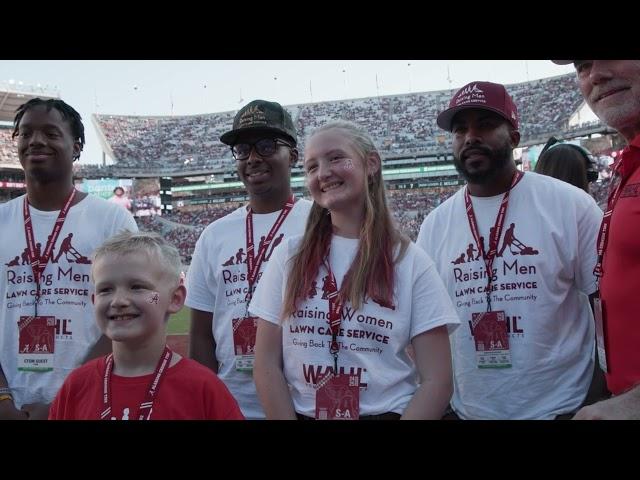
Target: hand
(36, 411)
(624, 407)
(591, 412)
(8, 411)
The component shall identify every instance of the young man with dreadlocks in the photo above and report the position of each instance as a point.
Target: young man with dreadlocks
(47, 326)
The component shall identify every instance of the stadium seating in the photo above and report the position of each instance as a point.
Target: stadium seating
(400, 124)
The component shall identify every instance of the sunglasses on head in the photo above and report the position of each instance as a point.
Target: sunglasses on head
(264, 147)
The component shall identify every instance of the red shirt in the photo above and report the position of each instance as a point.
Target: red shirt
(189, 391)
(620, 283)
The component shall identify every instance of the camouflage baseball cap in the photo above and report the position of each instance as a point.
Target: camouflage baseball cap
(260, 115)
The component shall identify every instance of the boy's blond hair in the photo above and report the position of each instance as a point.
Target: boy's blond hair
(149, 243)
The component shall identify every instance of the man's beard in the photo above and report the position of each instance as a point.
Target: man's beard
(498, 159)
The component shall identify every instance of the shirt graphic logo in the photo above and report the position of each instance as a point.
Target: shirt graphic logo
(327, 288)
(313, 291)
(66, 250)
(125, 414)
(241, 256)
(516, 247)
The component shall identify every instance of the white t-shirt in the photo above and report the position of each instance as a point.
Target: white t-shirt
(543, 277)
(373, 340)
(217, 282)
(89, 223)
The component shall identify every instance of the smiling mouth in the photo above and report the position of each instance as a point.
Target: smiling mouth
(331, 186)
(610, 93)
(120, 318)
(256, 174)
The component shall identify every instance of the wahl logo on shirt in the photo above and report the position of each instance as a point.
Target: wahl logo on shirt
(314, 373)
(509, 241)
(252, 116)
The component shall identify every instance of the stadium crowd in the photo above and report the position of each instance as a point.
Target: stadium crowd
(466, 321)
(8, 152)
(399, 124)
(409, 208)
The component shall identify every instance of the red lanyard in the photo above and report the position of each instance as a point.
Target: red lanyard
(335, 312)
(146, 406)
(39, 264)
(497, 231)
(253, 263)
(603, 234)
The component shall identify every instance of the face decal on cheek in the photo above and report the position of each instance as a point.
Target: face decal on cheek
(348, 164)
(153, 297)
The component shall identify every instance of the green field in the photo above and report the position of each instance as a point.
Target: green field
(179, 323)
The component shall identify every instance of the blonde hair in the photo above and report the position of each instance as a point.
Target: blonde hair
(372, 272)
(149, 243)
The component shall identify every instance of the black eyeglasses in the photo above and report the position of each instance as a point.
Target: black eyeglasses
(264, 147)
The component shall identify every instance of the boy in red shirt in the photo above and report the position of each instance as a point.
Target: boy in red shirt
(138, 285)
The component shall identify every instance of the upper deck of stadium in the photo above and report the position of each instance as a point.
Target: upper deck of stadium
(400, 124)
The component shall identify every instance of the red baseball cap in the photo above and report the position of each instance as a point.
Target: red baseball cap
(484, 95)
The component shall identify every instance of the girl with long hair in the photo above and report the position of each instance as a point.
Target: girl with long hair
(339, 305)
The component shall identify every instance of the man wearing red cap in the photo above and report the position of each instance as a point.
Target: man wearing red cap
(527, 349)
(611, 88)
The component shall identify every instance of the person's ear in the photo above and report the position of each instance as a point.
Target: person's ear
(293, 158)
(374, 163)
(177, 299)
(514, 135)
(77, 149)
